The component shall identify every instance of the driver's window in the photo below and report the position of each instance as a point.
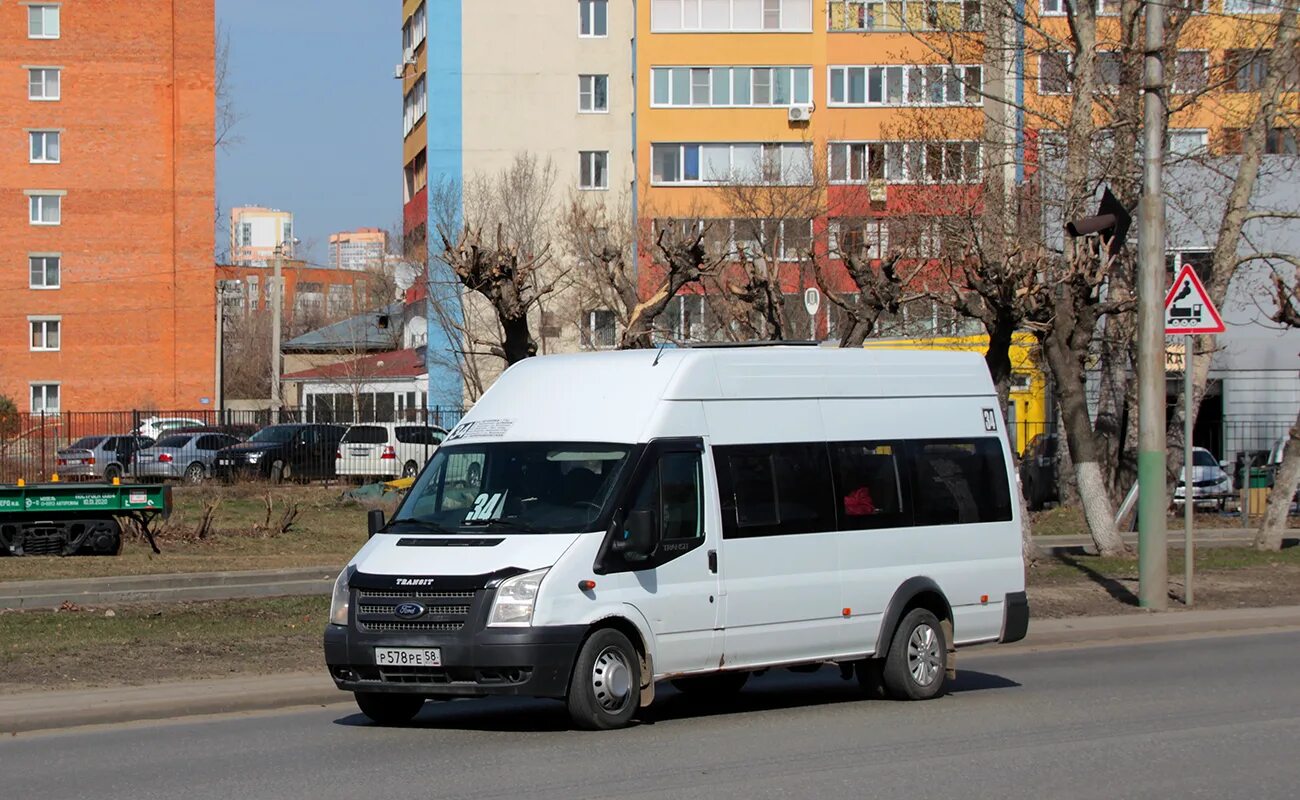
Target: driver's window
(307, 436)
(674, 494)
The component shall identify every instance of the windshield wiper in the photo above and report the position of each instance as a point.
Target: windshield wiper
(509, 522)
(425, 525)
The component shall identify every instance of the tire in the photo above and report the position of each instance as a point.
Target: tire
(410, 469)
(279, 472)
(389, 709)
(718, 686)
(112, 471)
(605, 688)
(917, 662)
(195, 473)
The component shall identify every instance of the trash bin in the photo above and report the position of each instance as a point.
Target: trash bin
(1259, 488)
(1259, 477)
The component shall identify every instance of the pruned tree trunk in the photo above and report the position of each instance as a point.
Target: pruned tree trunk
(1269, 536)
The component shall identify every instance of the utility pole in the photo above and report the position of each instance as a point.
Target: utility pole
(1153, 569)
(277, 296)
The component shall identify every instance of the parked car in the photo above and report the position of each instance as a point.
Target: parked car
(1038, 471)
(103, 457)
(386, 449)
(281, 453)
(155, 427)
(241, 431)
(1211, 483)
(182, 455)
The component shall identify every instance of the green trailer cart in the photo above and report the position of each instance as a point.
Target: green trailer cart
(70, 519)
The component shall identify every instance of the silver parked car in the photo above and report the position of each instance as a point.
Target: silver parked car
(182, 455)
(105, 457)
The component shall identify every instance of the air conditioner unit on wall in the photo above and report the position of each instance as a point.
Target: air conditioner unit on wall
(800, 113)
(399, 71)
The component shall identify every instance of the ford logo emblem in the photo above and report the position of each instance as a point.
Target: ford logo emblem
(409, 610)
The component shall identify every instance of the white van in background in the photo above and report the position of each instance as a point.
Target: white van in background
(604, 521)
(386, 449)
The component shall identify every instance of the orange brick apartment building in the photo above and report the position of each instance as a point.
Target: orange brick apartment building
(106, 205)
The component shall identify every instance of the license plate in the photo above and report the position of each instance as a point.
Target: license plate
(408, 656)
(361, 451)
(75, 462)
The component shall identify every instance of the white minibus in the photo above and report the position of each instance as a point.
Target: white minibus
(602, 522)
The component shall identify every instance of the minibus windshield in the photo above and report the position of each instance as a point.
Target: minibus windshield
(513, 487)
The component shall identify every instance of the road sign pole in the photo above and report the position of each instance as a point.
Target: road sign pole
(1188, 483)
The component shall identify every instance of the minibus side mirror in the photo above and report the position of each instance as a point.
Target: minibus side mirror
(636, 540)
(374, 522)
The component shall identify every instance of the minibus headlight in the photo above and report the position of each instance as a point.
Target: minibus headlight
(515, 599)
(339, 599)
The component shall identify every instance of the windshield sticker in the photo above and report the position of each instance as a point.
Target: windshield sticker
(483, 428)
(486, 506)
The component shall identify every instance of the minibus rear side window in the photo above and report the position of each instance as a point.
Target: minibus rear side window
(869, 485)
(774, 490)
(959, 481)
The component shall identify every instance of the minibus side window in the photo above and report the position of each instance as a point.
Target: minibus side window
(774, 490)
(672, 492)
(869, 485)
(959, 481)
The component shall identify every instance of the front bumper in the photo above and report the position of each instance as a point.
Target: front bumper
(239, 469)
(531, 662)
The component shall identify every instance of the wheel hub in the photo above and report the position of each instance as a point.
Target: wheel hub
(611, 680)
(923, 657)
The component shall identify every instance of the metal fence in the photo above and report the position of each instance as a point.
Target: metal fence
(195, 446)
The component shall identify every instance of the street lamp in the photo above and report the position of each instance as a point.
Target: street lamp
(276, 303)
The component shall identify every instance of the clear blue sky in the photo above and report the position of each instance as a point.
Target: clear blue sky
(320, 113)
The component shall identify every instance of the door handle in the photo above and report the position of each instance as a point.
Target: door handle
(713, 561)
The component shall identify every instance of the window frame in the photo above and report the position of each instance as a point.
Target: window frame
(796, 72)
(784, 24)
(45, 97)
(45, 258)
(36, 201)
(824, 520)
(44, 323)
(1201, 149)
(43, 8)
(910, 96)
(904, 517)
(1069, 76)
(732, 177)
(1175, 88)
(589, 94)
(44, 387)
(587, 19)
(587, 162)
(43, 134)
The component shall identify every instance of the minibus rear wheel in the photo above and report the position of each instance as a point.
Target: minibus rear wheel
(605, 688)
(917, 663)
(389, 709)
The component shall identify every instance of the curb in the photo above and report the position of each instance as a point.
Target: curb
(167, 588)
(43, 711)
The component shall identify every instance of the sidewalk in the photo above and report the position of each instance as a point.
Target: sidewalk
(51, 710)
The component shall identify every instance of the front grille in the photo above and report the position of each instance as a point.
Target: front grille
(445, 612)
(1205, 483)
(427, 627)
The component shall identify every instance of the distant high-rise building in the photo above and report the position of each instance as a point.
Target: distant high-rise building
(359, 249)
(255, 232)
(106, 233)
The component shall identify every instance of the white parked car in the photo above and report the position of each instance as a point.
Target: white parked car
(386, 449)
(155, 427)
(1211, 484)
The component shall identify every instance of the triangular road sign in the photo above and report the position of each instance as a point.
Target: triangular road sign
(1188, 308)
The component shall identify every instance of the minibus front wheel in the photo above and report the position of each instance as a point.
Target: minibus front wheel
(916, 664)
(605, 688)
(389, 709)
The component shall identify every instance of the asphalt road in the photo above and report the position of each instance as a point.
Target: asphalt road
(1196, 718)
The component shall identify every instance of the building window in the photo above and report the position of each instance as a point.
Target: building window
(905, 85)
(593, 18)
(723, 162)
(599, 328)
(42, 22)
(1053, 6)
(45, 398)
(1245, 69)
(1191, 68)
(43, 272)
(44, 147)
(1280, 142)
(1252, 6)
(905, 162)
(45, 333)
(1054, 73)
(593, 93)
(1110, 69)
(44, 209)
(254, 292)
(858, 237)
(667, 16)
(43, 83)
(704, 87)
(246, 234)
(593, 169)
(414, 106)
(415, 30)
(904, 15)
(286, 236)
(1187, 142)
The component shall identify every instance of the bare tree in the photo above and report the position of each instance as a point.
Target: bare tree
(1285, 481)
(227, 116)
